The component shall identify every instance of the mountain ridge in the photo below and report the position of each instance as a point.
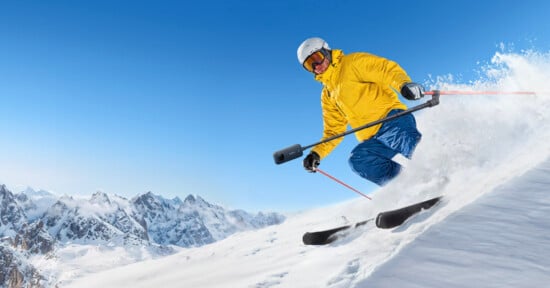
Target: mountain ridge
(147, 220)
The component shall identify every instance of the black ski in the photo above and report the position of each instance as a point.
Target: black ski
(394, 218)
(328, 236)
(384, 220)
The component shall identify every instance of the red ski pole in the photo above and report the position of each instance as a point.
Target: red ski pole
(456, 92)
(344, 184)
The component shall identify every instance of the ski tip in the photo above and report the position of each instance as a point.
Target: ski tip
(311, 239)
(328, 236)
(306, 238)
(318, 238)
(394, 218)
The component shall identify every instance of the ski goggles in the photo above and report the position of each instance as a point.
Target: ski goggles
(314, 59)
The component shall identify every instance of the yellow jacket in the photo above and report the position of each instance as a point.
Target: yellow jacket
(357, 89)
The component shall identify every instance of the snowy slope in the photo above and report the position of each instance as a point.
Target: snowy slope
(500, 241)
(481, 152)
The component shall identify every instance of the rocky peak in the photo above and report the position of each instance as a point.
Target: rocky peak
(34, 238)
(196, 202)
(15, 270)
(22, 197)
(12, 217)
(190, 200)
(153, 206)
(148, 201)
(33, 193)
(177, 201)
(100, 198)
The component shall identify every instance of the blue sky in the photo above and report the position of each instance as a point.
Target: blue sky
(180, 97)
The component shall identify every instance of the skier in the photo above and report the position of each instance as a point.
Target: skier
(357, 89)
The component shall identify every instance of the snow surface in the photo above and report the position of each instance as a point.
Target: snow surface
(501, 241)
(488, 155)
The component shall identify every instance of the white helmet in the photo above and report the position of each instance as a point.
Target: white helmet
(310, 46)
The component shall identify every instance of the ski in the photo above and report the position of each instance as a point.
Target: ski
(394, 218)
(384, 220)
(329, 236)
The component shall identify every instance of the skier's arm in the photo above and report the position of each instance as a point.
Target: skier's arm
(372, 68)
(333, 123)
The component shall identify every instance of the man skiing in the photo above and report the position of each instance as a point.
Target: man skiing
(359, 88)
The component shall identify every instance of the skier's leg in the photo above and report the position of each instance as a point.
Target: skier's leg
(372, 160)
(400, 134)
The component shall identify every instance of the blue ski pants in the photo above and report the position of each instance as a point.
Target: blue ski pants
(372, 159)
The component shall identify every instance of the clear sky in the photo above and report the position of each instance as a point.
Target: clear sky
(180, 97)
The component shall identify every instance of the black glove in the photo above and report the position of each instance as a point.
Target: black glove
(311, 161)
(412, 91)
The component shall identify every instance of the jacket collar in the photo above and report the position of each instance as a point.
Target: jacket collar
(334, 65)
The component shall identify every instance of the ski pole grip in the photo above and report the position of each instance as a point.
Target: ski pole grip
(435, 98)
(288, 154)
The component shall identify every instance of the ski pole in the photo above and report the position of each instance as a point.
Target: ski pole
(296, 150)
(340, 182)
(456, 92)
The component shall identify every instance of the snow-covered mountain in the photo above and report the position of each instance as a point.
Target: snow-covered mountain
(19, 239)
(12, 216)
(101, 218)
(37, 228)
(195, 222)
